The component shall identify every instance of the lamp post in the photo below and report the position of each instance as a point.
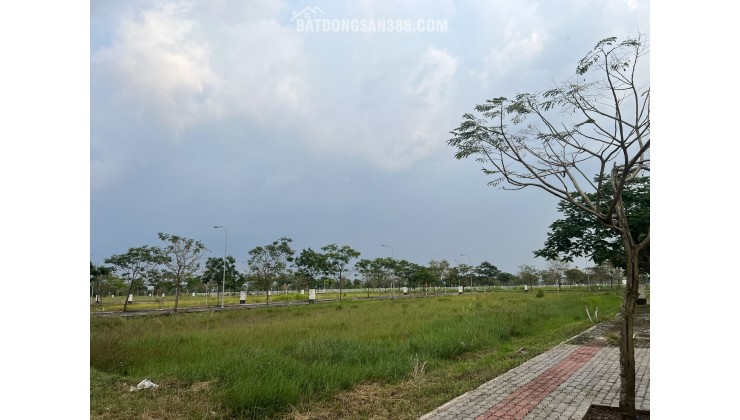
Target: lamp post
(223, 285)
(388, 246)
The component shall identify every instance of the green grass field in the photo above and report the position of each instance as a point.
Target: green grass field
(395, 358)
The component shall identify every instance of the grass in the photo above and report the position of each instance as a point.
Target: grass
(355, 359)
(201, 300)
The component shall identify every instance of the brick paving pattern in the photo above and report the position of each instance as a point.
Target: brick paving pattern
(561, 383)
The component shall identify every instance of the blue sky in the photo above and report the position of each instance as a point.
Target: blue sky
(225, 113)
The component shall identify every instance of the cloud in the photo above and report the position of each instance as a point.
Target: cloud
(159, 64)
(184, 68)
(431, 81)
(517, 51)
(390, 111)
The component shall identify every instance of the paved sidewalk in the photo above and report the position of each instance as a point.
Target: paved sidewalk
(562, 382)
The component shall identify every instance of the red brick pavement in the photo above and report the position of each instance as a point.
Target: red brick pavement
(520, 402)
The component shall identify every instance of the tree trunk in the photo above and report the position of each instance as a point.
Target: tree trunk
(627, 344)
(177, 293)
(125, 301)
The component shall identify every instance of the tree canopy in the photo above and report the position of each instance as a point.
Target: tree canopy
(267, 263)
(579, 234)
(182, 259)
(213, 273)
(135, 264)
(336, 262)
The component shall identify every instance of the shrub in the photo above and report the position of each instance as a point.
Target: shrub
(540, 294)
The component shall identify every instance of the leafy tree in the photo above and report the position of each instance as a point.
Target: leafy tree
(366, 269)
(464, 271)
(98, 274)
(311, 265)
(556, 271)
(528, 275)
(549, 277)
(420, 276)
(111, 284)
(377, 272)
(452, 277)
(402, 271)
(182, 259)
(441, 270)
(574, 276)
(194, 284)
(337, 262)
(505, 278)
(299, 280)
(579, 234)
(486, 273)
(213, 274)
(270, 262)
(561, 140)
(157, 279)
(607, 273)
(134, 264)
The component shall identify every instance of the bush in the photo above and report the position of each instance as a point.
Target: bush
(540, 294)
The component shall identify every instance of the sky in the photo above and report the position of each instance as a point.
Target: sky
(255, 117)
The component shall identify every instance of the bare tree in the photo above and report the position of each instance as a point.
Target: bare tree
(183, 259)
(569, 140)
(557, 268)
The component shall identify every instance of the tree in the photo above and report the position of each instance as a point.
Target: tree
(606, 272)
(556, 271)
(574, 276)
(403, 270)
(270, 262)
(568, 141)
(213, 274)
(134, 264)
(182, 259)
(98, 274)
(157, 279)
(365, 268)
(441, 270)
(505, 278)
(579, 234)
(464, 271)
(377, 272)
(336, 262)
(311, 265)
(372, 272)
(528, 275)
(486, 273)
(420, 276)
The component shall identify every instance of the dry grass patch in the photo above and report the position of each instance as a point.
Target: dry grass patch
(111, 399)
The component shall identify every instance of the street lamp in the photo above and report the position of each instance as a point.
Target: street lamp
(223, 286)
(388, 246)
